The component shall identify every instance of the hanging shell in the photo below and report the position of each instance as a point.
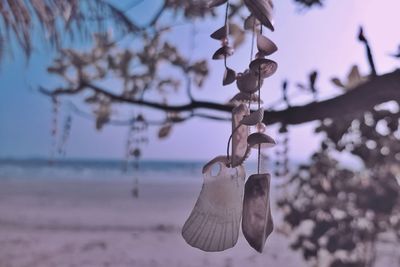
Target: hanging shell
(220, 34)
(240, 98)
(214, 3)
(257, 223)
(251, 23)
(262, 10)
(229, 76)
(239, 136)
(265, 46)
(262, 139)
(247, 82)
(266, 67)
(253, 118)
(223, 52)
(214, 222)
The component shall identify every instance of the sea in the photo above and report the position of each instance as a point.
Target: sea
(154, 171)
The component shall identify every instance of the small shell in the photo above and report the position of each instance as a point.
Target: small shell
(253, 118)
(251, 23)
(257, 223)
(247, 82)
(223, 52)
(265, 46)
(244, 98)
(229, 76)
(266, 67)
(239, 135)
(214, 3)
(220, 34)
(262, 10)
(262, 139)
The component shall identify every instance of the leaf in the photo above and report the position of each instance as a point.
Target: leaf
(337, 82)
(262, 10)
(229, 76)
(265, 46)
(354, 77)
(165, 131)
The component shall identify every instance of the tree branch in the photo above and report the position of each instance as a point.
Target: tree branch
(377, 90)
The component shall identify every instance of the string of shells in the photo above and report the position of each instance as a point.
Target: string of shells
(137, 138)
(227, 199)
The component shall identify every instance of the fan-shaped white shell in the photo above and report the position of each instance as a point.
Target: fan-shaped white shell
(257, 223)
(239, 137)
(253, 118)
(214, 223)
(265, 141)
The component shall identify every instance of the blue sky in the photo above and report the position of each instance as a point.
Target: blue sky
(322, 39)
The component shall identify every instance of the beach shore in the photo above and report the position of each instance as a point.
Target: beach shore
(86, 223)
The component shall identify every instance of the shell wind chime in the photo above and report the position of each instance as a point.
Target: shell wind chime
(226, 198)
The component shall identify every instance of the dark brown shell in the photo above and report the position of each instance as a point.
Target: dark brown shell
(247, 82)
(262, 10)
(229, 76)
(266, 67)
(214, 3)
(220, 34)
(257, 223)
(223, 52)
(262, 139)
(265, 46)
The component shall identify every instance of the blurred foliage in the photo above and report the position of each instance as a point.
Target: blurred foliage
(338, 215)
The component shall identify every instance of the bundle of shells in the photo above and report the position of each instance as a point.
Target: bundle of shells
(227, 199)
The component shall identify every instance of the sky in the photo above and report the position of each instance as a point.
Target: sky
(322, 39)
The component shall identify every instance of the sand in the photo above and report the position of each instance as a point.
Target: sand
(86, 223)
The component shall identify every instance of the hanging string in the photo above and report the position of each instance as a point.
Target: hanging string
(259, 106)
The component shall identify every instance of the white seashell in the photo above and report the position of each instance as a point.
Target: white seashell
(262, 10)
(247, 82)
(262, 139)
(239, 135)
(265, 46)
(257, 223)
(214, 223)
(266, 67)
(253, 118)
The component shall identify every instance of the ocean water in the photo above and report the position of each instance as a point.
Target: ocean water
(151, 171)
(148, 171)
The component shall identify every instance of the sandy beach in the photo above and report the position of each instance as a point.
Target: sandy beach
(84, 223)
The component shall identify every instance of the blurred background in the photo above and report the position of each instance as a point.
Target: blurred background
(110, 109)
